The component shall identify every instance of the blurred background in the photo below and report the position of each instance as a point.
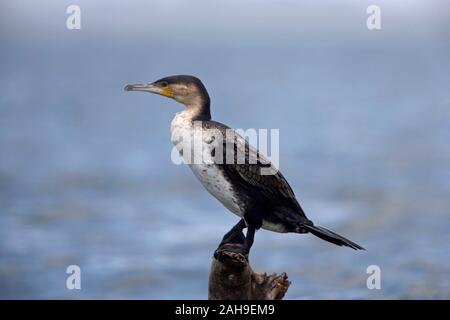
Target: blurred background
(86, 176)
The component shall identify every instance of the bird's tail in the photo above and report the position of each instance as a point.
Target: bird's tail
(331, 236)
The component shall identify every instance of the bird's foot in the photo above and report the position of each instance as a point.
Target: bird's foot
(234, 236)
(232, 243)
(232, 254)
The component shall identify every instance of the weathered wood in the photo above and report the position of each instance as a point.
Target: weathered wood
(232, 278)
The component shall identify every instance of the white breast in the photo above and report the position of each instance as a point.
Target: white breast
(196, 145)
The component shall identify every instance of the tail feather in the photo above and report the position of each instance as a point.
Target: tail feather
(332, 237)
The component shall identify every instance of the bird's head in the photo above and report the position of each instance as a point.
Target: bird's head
(187, 90)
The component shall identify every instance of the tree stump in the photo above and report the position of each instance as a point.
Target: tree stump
(232, 278)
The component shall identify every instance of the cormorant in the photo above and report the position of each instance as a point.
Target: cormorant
(261, 200)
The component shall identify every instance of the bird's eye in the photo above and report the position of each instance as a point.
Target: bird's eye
(163, 84)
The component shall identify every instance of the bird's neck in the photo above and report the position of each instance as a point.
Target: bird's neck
(198, 110)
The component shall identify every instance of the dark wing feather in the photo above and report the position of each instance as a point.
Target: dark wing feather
(274, 186)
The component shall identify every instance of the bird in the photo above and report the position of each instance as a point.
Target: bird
(259, 199)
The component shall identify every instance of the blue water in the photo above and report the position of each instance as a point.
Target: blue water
(86, 176)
